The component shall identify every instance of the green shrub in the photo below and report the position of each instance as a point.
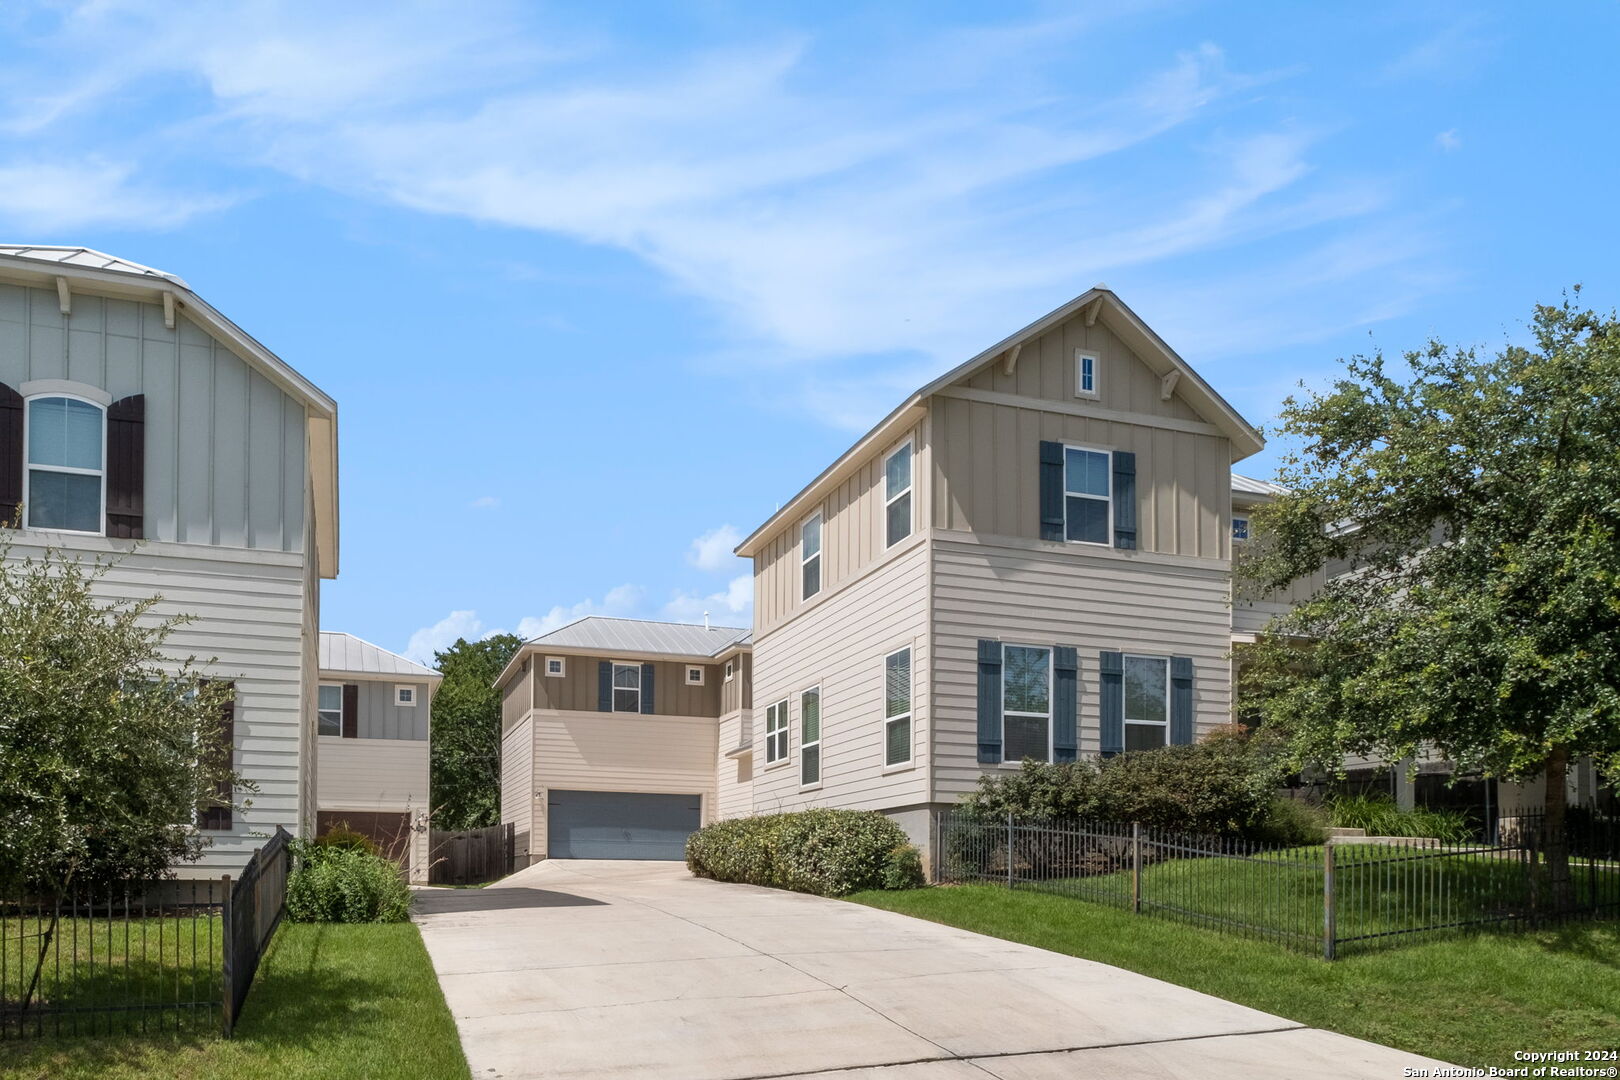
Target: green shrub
(332, 883)
(1067, 789)
(341, 836)
(1291, 823)
(1381, 816)
(826, 852)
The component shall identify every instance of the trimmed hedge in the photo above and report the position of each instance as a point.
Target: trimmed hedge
(339, 884)
(826, 852)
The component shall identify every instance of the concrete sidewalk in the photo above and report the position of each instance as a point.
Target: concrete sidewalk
(615, 969)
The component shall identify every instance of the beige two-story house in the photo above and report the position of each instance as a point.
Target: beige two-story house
(138, 422)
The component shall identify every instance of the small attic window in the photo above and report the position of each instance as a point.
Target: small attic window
(694, 676)
(1085, 374)
(405, 695)
(556, 667)
(1240, 528)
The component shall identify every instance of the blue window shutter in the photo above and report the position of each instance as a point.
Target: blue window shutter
(604, 686)
(1124, 499)
(1065, 702)
(1111, 697)
(646, 688)
(990, 702)
(1181, 700)
(1051, 491)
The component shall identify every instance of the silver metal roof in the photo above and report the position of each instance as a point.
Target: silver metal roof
(601, 634)
(89, 258)
(345, 652)
(1248, 485)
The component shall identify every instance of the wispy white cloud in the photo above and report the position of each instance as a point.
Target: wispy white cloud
(733, 606)
(623, 601)
(1454, 52)
(713, 550)
(443, 634)
(484, 502)
(1448, 140)
(50, 195)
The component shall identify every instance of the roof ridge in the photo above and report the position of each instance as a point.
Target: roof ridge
(379, 648)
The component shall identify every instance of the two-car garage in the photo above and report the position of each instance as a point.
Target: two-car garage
(620, 824)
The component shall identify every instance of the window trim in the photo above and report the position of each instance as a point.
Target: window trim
(731, 670)
(1080, 357)
(805, 560)
(562, 667)
(318, 710)
(778, 709)
(29, 466)
(911, 710)
(1236, 539)
(1108, 500)
(690, 669)
(1050, 673)
(401, 689)
(803, 746)
(1123, 698)
(614, 683)
(911, 485)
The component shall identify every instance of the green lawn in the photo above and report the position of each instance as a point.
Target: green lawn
(330, 1003)
(1472, 1000)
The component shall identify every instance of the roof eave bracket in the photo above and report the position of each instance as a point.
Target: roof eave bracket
(1167, 385)
(1010, 364)
(1093, 311)
(64, 298)
(168, 311)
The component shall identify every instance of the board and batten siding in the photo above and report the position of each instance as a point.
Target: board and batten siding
(517, 696)
(597, 751)
(1045, 595)
(377, 717)
(225, 447)
(736, 692)
(577, 689)
(249, 615)
(517, 786)
(372, 774)
(839, 644)
(734, 777)
(852, 535)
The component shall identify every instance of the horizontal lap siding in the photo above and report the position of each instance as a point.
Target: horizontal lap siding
(372, 774)
(517, 785)
(840, 644)
(734, 779)
(1063, 597)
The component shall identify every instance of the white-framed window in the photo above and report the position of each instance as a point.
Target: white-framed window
(1088, 512)
(694, 675)
(405, 696)
(65, 481)
(1086, 371)
(1026, 702)
(731, 669)
(1147, 702)
(556, 667)
(627, 688)
(329, 709)
(897, 707)
(810, 737)
(776, 732)
(1240, 528)
(897, 495)
(810, 556)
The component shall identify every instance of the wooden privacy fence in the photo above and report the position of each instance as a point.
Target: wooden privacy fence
(471, 857)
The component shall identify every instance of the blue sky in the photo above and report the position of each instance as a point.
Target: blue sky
(597, 288)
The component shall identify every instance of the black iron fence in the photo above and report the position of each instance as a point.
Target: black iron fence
(167, 956)
(1354, 892)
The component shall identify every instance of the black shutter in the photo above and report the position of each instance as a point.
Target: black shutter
(1111, 699)
(351, 710)
(604, 686)
(646, 688)
(990, 702)
(1065, 702)
(217, 816)
(11, 454)
(1124, 499)
(1051, 491)
(1181, 700)
(126, 467)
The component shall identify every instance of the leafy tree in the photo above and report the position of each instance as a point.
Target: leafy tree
(466, 775)
(1472, 504)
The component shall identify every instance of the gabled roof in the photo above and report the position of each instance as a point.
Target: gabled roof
(345, 652)
(1126, 325)
(80, 269)
(601, 634)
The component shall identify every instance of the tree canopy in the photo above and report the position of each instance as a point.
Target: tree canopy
(108, 746)
(466, 776)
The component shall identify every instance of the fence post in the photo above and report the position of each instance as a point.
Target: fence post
(1329, 915)
(1009, 849)
(1136, 868)
(227, 949)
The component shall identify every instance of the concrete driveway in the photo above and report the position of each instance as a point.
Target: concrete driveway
(618, 969)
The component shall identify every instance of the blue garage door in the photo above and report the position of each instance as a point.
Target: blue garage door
(620, 824)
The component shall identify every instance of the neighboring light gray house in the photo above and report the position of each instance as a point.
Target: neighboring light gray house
(1029, 557)
(138, 421)
(374, 718)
